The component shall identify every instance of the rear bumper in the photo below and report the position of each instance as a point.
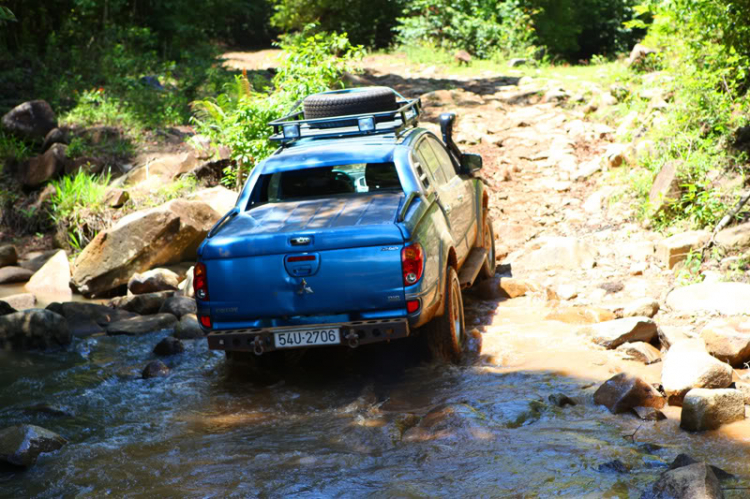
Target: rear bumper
(352, 334)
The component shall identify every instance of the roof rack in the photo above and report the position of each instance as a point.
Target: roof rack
(293, 126)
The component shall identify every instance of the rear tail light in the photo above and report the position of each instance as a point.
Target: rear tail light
(200, 282)
(205, 321)
(412, 263)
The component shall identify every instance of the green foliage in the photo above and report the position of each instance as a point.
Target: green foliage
(481, 27)
(6, 15)
(367, 22)
(690, 273)
(239, 117)
(14, 149)
(76, 206)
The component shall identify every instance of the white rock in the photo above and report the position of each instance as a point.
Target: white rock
(687, 365)
(725, 298)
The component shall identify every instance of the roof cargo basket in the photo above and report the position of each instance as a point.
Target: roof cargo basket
(294, 126)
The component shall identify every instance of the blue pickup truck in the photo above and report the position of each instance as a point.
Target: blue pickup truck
(361, 228)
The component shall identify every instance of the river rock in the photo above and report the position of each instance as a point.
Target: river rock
(6, 309)
(219, 198)
(33, 329)
(8, 255)
(580, 315)
(153, 281)
(21, 445)
(13, 275)
(734, 237)
(142, 325)
(86, 319)
(675, 249)
(696, 481)
(39, 169)
(21, 301)
(169, 346)
(170, 233)
(687, 365)
(155, 369)
(623, 392)
(724, 298)
(147, 304)
(53, 278)
(561, 400)
(179, 306)
(683, 460)
(641, 351)
(559, 252)
(612, 334)
(31, 120)
(728, 340)
(511, 287)
(704, 409)
(188, 328)
(669, 335)
(642, 307)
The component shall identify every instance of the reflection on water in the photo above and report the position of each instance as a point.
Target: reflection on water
(379, 423)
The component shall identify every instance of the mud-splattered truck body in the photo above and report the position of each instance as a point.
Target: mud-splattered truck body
(359, 229)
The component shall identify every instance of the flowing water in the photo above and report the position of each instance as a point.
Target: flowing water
(378, 422)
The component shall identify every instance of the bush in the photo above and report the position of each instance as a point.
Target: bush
(76, 207)
(239, 117)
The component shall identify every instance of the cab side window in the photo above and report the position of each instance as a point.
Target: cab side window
(431, 161)
(446, 164)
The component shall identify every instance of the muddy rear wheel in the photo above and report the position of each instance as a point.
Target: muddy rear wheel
(446, 335)
(488, 242)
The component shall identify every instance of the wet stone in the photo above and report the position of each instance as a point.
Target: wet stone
(561, 400)
(13, 275)
(641, 351)
(687, 365)
(145, 304)
(694, 481)
(6, 309)
(615, 466)
(34, 329)
(21, 445)
(188, 328)
(8, 255)
(155, 369)
(179, 306)
(142, 325)
(623, 392)
(648, 414)
(169, 346)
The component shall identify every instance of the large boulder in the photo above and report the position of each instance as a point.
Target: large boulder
(153, 281)
(687, 365)
(33, 329)
(53, 279)
(21, 445)
(728, 340)
(725, 298)
(612, 334)
(704, 409)
(696, 481)
(186, 286)
(168, 234)
(219, 198)
(31, 120)
(39, 169)
(8, 255)
(623, 392)
(137, 326)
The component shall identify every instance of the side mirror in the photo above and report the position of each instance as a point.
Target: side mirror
(471, 162)
(447, 120)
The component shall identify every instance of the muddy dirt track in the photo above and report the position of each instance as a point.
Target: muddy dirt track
(382, 422)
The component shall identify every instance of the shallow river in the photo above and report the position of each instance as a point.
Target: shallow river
(343, 425)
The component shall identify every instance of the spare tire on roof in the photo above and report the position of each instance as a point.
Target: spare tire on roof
(351, 101)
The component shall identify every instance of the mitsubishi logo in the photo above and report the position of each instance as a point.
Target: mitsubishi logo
(304, 288)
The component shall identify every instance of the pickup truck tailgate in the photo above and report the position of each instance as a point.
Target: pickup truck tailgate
(311, 257)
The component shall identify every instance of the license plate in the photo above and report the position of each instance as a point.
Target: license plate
(308, 337)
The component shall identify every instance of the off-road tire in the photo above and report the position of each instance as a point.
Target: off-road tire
(369, 100)
(487, 271)
(443, 341)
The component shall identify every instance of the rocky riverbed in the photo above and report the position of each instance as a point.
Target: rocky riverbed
(590, 370)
